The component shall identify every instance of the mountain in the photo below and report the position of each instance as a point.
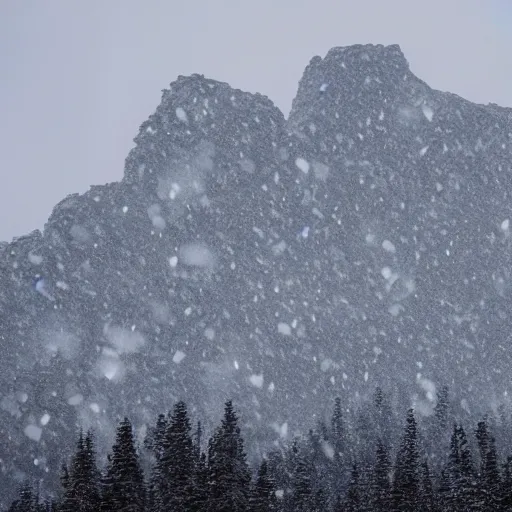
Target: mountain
(279, 262)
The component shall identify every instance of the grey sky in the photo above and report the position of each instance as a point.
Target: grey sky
(78, 77)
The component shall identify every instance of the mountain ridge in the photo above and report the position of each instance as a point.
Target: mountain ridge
(270, 260)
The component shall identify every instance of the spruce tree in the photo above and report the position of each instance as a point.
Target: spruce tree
(488, 481)
(444, 491)
(263, 497)
(441, 409)
(228, 473)
(302, 497)
(338, 428)
(338, 442)
(200, 498)
(406, 483)
(482, 438)
(461, 474)
(427, 499)
(353, 502)
(81, 493)
(26, 501)
(155, 436)
(380, 482)
(382, 415)
(491, 478)
(506, 485)
(123, 483)
(175, 472)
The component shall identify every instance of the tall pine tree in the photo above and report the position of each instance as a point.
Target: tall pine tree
(81, 493)
(406, 483)
(381, 481)
(228, 473)
(175, 472)
(263, 494)
(123, 483)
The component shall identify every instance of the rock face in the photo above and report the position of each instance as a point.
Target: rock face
(366, 240)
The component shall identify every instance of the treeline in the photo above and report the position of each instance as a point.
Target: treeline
(437, 465)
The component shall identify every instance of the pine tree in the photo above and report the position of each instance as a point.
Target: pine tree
(482, 437)
(506, 485)
(382, 415)
(338, 442)
(441, 409)
(453, 472)
(64, 477)
(338, 427)
(155, 436)
(228, 473)
(406, 484)
(438, 431)
(200, 497)
(26, 501)
(81, 493)
(48, 506)
(380, 482)
(461, 474)
(106, 487)
(427, 501)
(354, 499)
(302, 497)
(444, 492)
(175, 472)
(491, 478)
(263, 497)
(123, 483)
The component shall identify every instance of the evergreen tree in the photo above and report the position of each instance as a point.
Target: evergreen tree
(427, 501)
(338, 442)
(438, 431)
(506, 485)
(154, 438)
(353, 502)
(382, 415)
(491, 478)
(263, 497)
(64, 478)
(461, 474)
(26, 501)
(123, 483)
(444, 492)
(380, 482)
(175, 472)
(441, 409)
(81, 493)
(406, 484)
(482, 438)
(200, 497)
(228, 473)
(338, 427)
(107, 487)
(302, 497)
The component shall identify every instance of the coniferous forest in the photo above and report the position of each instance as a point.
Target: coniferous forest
(432, 463)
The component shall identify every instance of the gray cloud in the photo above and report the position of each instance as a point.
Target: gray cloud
(79, 77)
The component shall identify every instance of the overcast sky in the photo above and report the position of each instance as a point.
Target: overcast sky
(77, 78)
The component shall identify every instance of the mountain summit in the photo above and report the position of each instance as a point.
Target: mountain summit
(364, 241)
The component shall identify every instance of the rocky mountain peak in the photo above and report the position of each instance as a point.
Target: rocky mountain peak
(276, 262)
(196, 111)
